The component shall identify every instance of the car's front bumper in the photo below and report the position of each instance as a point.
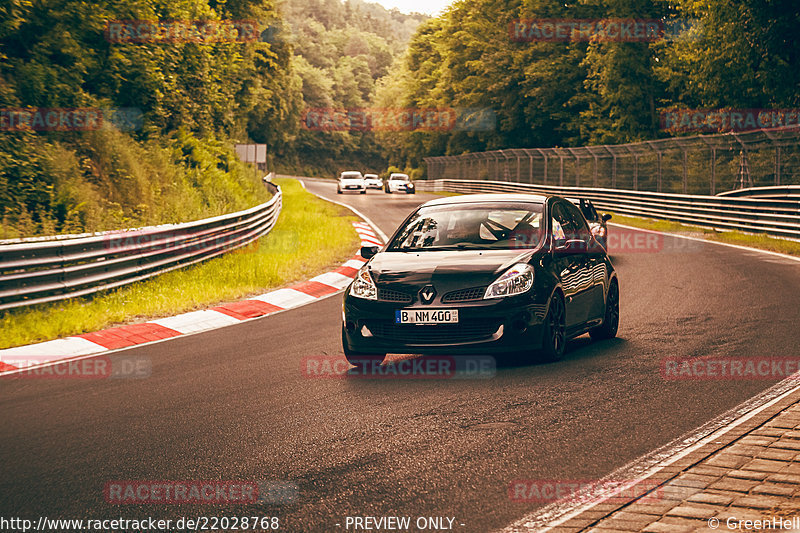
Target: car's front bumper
(484, 327)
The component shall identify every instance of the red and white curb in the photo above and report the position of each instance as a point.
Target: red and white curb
(43, 353)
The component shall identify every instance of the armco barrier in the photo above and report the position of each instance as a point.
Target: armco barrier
(778, 217)
(776, 191)
(40, 270)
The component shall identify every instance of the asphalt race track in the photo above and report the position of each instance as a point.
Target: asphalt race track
(233, 404)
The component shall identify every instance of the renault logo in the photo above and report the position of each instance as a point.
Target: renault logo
(427, 294)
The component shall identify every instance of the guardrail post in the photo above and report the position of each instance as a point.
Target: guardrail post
(546, 157)
(531, 169)
(658, 175)
(614, 171)
(685, 171)
(713, 171)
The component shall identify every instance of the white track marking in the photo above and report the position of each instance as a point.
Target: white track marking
(58, 348)
(285, 298)
(196, 321)
(374, 226)
(333, 279)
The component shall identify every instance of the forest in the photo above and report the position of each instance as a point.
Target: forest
(185, 102)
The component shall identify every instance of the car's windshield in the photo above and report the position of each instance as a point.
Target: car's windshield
(352, 175)
(501, 225)
(399, 177)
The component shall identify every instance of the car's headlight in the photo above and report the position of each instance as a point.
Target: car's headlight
(363, 286)
(600, 231)
(516, 280)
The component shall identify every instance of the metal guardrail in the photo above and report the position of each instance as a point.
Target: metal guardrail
(700, 164)
(35, 271)
(778, 217)
(779, 191)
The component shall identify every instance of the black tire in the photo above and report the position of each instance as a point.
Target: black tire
(554, 336)
(359, 359)
(338, 191)
(364, 191)
(608, 329)
(388, 191)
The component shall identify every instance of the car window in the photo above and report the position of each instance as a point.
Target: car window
(502, 226)
(578, 229)
(560, 222)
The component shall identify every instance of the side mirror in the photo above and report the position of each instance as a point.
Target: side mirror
(573, 246)
(368, 252)
(606, 217)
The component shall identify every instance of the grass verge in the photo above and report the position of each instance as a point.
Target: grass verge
(311, 235)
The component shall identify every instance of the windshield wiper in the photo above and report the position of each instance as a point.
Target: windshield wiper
(459, 246)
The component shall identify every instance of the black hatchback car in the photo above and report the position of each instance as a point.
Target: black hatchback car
(482, 274)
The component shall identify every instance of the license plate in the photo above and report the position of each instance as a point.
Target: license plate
(351, 186)
(426, 316)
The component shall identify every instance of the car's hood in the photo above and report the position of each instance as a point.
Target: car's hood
(445, 270)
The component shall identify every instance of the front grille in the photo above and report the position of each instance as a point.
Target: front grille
(465, 295)
(467, 331)
(388, 295)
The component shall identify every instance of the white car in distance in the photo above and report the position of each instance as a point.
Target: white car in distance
(398, 182)
(373, 181)
(351, 180)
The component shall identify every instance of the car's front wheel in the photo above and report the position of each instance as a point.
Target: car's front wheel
(554, 336)
(360, 359)
(364, 191)
(338, 190)
(608, 329)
